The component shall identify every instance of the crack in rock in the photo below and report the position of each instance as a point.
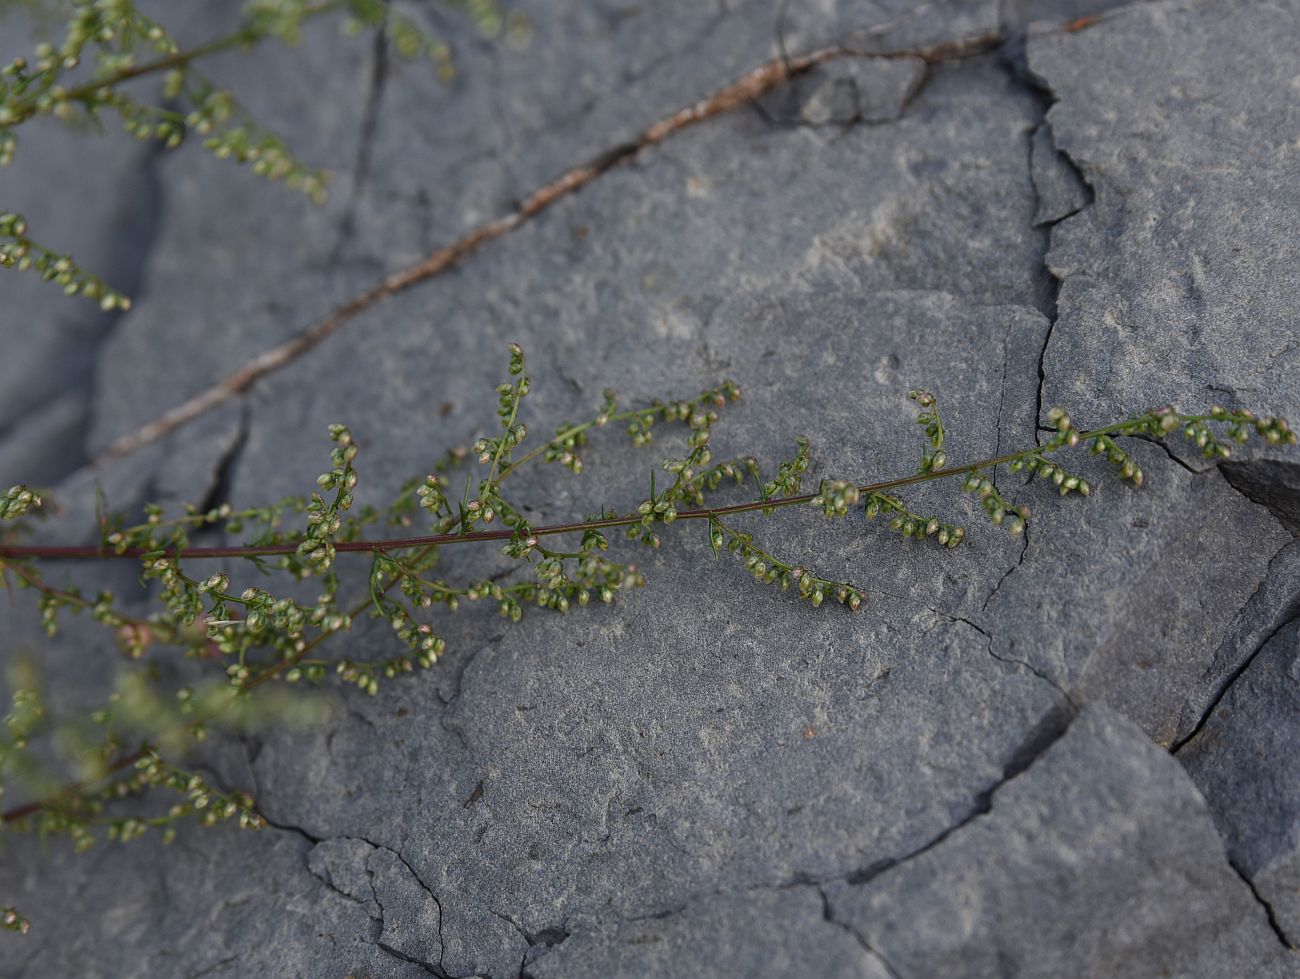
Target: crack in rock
(1269, 912)
(365, 138)
(1035, 747)
(1228, 684)
(829, 916)
(339, 864)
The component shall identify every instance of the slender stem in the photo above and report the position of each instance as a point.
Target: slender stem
(439, 540)
(35, 581)
(27, 809)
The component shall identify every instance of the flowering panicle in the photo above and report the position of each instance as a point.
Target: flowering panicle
(911, 524)
(253, 645)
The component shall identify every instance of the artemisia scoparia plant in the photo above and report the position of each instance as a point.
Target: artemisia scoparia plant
(252, 645)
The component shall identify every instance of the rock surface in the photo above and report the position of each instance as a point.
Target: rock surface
(1169, 281)
(967, 778)
(1103, 850)
(1243, 759)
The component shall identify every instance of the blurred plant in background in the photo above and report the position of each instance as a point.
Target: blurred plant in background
(104, 54)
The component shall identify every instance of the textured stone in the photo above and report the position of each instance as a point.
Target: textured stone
(1099, 860)
(599, 295)
(776, 934)
(383, 883)
(848, 91)
(1118, 603)
(1244, 761)
(294, 262)
(1274, 603)
(631, 761)
(105, 216)
(240, 263)
(889, 25)
(1060, 191)
(1175, 283)
(221, 903)
(1275, 483)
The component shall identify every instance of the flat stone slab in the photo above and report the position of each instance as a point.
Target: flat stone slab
(1243, 759)
(1100, 860)
(1171, 280)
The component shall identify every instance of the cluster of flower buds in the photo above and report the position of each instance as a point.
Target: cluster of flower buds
(1065, 481)
(432, 495)
(931, 421)
(13, 921)
(789, 474)
(1066, 433)
(1239, 424)
(639, 428)
(365, 675)
(912, 524)
(16, 501)
(1002, 513)
(836, 497)
(17, 251)
(324, 518)
(1124, 464)
(702, 483)
(768, 569)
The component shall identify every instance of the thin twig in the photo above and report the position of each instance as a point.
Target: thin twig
(743, 91)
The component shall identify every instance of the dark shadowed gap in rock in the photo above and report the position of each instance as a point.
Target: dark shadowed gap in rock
(1049, 730)
(133, 229)
(1270, 483)
(224, 472)
(365, 139)
(1013, 60)
(426, 966)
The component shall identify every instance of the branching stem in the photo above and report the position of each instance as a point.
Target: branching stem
(483, 536)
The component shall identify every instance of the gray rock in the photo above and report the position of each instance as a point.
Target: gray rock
(755, 933)
(1274, 603)
(409, 916)
(1174, 283)
(1118, 603)
(1061, 192)
(1244, 761)
(1099, 860)
(598, 297)
(45, 444)
(105, 217)
(294, 262)
(1273, 483)
(890, 25)
(229, 903)
(848, 91)
(223, 225)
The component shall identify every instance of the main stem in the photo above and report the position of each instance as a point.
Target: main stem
(483, 536)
